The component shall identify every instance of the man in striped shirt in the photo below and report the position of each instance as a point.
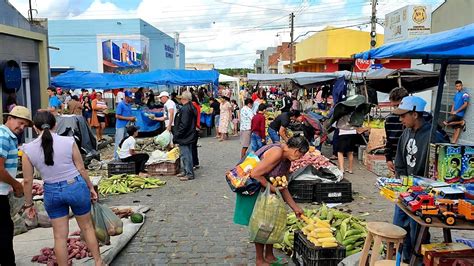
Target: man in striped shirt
(17, 120)
(393, 127)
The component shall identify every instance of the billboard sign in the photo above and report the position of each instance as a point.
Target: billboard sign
(124, 54)
(407, 22)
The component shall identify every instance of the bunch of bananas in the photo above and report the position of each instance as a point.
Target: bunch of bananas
(349, 231)
(279, 181)
(173, 154)
(319, 232)
(122, 184)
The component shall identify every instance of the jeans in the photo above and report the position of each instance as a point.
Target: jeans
(73, 193)
(273, 135)
(120, 133)
(186, 157)
(140, 159)
(216, 121)
(7, 256)
(195, 153)
(400, 218)
(255, 142)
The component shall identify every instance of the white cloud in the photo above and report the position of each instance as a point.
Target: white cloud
(214, 31)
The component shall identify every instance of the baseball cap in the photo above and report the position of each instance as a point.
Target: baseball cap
(410, 104)
(128, 94)
(164, 94)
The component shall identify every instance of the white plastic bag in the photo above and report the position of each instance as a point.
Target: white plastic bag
(163, 140)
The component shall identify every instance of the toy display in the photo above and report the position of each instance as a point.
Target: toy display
(467, 168)
(449, 163)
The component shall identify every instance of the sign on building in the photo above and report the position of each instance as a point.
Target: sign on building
(407, 22)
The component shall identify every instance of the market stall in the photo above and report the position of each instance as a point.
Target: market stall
(429, 202)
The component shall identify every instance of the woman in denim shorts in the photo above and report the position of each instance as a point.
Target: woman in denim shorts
(66, 185)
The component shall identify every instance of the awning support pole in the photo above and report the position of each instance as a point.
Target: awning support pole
(437, 107)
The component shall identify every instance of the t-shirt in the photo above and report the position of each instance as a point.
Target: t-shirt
(127, 145)
(246, 115)
(168, 106)
(123, 109)
(54, 102)
(282, 120)
(460, 98)
(216, 107)
(8, 151)
(101, 104)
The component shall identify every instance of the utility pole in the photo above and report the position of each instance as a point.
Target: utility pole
(292, 16)
(176, 49)
(373, 25)
(30, 12)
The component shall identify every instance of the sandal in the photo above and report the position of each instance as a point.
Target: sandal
(279, 261)
(350, 172)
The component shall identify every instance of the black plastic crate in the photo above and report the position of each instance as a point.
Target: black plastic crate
(302, 190)
(307, 254)
(333, 192)
(119, 167)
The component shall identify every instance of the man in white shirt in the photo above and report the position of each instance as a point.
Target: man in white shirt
(170, 110)
(246, 115)
(120, 96)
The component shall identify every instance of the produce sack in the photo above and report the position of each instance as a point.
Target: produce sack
(268, 221)
(239, 179)
(43, 218)
(112, 222)
(16, 203)
(163, 140)
(99, 224)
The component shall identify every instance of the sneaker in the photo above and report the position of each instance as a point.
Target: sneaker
(180, 175)
(186, 178)
(196, 167)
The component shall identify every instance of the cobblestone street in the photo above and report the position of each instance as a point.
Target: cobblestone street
(191, 222)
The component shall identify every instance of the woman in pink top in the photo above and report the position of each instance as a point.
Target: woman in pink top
(66, 185)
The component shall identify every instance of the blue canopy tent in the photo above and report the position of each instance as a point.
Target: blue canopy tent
(454, 46)
(79, 79)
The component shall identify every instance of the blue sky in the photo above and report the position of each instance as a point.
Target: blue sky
(225, 32)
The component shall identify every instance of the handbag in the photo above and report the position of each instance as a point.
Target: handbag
(239, 178)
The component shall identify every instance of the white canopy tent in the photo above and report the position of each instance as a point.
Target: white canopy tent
(235, 84)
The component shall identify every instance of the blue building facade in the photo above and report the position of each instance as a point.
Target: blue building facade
(112, 46)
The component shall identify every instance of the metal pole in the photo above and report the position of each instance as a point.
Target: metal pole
(434, 122)
(292, 16)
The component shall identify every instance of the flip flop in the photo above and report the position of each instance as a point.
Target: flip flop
(279, 261)
(350, 172)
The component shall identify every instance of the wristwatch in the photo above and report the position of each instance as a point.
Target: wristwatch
(28, 206)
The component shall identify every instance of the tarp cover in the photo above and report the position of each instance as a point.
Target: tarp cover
(301, 78)
(454, 44)
(414, 80)
(79, 79)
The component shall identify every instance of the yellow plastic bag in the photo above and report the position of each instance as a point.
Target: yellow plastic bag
(268, 221)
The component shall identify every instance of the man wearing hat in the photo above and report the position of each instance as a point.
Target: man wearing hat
(123, 115)
(170, 110)
(16, 121)
(411, 156)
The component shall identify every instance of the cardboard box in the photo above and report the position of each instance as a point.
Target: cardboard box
(467, 168)
(449, 163)
(443, 247)
(433, 258)
(376, 164)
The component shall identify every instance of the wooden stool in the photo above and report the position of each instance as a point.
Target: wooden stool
(388, 263)
(381, 232)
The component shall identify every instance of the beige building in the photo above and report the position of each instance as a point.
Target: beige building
(199, 66)
(454, 14)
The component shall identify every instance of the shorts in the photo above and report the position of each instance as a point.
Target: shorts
(62, 195)
(101, 119)
(346, 143)
(455, 118)
(245, 138)
(88, 114)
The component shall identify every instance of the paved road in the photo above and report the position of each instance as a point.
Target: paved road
(190, 222)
